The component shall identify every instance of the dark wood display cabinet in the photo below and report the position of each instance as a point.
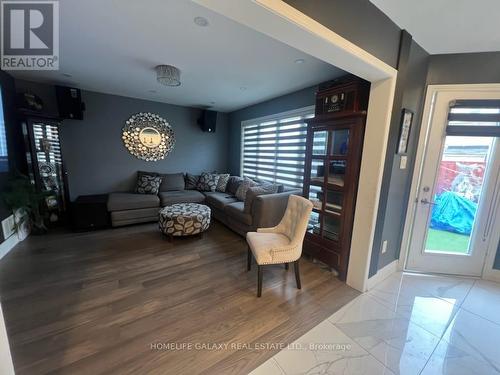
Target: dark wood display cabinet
(45, 163)
(333, 159)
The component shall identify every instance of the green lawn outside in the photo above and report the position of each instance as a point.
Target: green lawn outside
(440, 240)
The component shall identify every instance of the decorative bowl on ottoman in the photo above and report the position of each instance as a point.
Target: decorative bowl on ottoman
(184, 219)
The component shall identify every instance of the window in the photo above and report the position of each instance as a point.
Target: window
(273, 148)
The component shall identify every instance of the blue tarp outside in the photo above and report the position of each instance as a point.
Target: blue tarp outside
(453, 213)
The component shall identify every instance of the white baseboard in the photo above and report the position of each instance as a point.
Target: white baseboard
(492, 275)
(382, 274)
(8, 245)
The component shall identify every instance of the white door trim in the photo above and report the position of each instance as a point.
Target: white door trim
(432, 91)
(286, 24)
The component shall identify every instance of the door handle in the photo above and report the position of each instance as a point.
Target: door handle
(425, 201)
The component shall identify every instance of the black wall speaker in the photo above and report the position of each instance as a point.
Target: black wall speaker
(69, 102)
(208, 121)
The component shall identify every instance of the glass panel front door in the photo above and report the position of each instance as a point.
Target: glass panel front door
(458, 187)
(457, 193)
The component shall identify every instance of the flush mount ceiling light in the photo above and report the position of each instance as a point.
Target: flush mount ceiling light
(300, 61)
(201, 21)
(168, 75)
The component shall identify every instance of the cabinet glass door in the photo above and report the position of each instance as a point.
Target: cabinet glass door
(336, 173)
(317, 171)
(331, 227)
(339, 142)
(320, 142)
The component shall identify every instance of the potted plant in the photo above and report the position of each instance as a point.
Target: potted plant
(26, 204)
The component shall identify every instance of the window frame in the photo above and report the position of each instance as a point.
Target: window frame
(304, 112)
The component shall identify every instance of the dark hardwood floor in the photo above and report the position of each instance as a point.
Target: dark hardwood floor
(95, 303)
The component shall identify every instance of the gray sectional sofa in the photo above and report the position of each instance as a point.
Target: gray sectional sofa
(265, 210)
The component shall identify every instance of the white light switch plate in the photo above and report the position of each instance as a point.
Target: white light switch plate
(384, 246)
(403, 161)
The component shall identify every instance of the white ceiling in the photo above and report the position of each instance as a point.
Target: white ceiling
(447, 26)
(112, 46)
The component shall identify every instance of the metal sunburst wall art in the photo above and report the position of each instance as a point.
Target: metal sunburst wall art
(148, 136)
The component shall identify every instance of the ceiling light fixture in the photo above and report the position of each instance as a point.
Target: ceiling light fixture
(201, 21)
(300, 61)
(168, 75)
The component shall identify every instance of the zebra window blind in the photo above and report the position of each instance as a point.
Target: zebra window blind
(480, 118)
(273, 147)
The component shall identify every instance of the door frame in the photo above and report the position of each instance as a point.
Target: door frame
(282, 22)
(488, 271)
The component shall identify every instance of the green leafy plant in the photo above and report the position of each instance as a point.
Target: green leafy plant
(20, 195)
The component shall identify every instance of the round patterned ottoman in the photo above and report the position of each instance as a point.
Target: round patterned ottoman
(184, 219)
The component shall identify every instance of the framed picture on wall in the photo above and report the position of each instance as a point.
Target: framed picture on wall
(404, 130)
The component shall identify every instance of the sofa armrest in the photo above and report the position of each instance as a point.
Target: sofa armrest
(268, 210)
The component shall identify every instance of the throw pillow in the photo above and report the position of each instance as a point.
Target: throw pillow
(255, 191)
(172, 181)
(243, 188)
(222, 183)
(147, 184)
(207, 182)
(191, 181)
(232, 184)
(142, 173)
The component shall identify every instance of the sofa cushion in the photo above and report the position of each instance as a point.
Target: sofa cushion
(172, 181)
(219, 200)
(139, 214)
(131, 201)
(241, 193)
(191, 180)
(255, 191)
(236, 211)
(207, 182)
(222, 183)
(232, 184)
(168, 198)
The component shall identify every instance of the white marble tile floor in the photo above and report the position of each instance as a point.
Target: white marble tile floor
(408, 324)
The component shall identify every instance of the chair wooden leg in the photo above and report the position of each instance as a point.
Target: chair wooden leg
(249, 259)
(286, 266)
(259, 280)
(297, 274)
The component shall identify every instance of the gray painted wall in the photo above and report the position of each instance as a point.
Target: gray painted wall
(391, 223)
(298, 99)
(466, 68)
(359, 21)
(97, 161)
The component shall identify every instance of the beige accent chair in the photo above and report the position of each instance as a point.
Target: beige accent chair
(281, 244)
